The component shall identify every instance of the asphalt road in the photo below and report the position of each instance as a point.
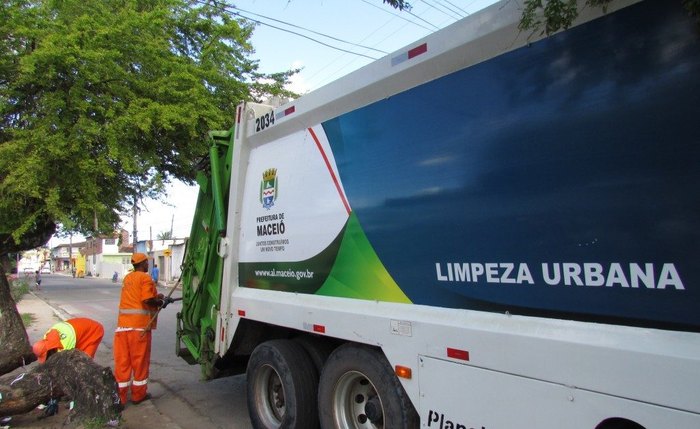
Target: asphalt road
(175, 386)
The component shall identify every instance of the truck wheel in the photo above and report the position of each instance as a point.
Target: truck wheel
(358, 389)
(282, 386)
(317, 348)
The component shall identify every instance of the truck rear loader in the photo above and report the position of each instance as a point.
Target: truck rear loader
(487, 229)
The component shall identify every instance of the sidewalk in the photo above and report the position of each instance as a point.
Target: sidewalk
(133, 417)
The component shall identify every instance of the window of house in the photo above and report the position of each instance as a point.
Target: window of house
(110, 241)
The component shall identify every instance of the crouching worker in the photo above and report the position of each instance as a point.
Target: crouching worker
(138, 307)
(79, 333)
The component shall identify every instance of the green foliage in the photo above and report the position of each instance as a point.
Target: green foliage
(95, 423)
(27, 319)
(18, 288)
(103, 101)
(549, 16)
(398, 4)
(693, 7)
(164, 235)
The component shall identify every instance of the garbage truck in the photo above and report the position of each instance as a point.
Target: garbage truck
(489, 228)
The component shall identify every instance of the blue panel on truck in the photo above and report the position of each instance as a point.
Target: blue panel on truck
(560, 179)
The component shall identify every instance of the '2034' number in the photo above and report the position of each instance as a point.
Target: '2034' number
(264, 121)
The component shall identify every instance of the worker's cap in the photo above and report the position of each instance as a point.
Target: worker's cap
(52, 340)
(137, 258)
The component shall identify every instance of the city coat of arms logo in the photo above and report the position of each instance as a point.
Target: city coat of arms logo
(268, 188)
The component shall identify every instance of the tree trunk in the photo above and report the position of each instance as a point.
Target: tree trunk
(24, 392)
(91, 387)
(14, 342)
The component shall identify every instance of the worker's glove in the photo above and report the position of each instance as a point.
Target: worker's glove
(167, 300)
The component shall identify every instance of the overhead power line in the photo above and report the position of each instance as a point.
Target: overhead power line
(304, 36)
(332, 75)
(442, 9)
(398, 15)
(429, 23)
(236, 12)
(447, 4)
(310, 31)
(464, 12)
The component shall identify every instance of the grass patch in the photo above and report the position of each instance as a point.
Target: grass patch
(19, 288)
(27, 319)
(96, 423)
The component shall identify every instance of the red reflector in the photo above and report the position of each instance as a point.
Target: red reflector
(241, 313)
(320, 329)
(418, 50)
(457, 354)
(289, 110)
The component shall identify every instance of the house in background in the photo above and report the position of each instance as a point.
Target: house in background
(102, 256)
(65, 256)
(33, 260)
(105, 255)
(167, 254)
(175, 261)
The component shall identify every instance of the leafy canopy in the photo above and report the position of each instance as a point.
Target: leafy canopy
(550, 16)
(103, 101)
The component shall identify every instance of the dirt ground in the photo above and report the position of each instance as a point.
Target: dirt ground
(37, 419)
(134, 417)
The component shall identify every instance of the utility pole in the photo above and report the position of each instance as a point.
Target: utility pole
(150, 245)
(70, 255)
(172, 219)
(134, 233)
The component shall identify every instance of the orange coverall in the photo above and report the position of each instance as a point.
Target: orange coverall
(88, 334)
(132, 339)
(85, 335)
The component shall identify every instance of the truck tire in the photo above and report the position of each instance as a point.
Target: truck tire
(282, 386)
(358, 389)
(318, 349)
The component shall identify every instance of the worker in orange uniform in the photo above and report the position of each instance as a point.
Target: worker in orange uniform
(138, 307)
(79, 333)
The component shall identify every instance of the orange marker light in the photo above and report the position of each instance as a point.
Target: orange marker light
(403, 372)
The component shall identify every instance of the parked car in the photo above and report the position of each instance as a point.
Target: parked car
(45, 270)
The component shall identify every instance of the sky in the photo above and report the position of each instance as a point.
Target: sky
(368, 29)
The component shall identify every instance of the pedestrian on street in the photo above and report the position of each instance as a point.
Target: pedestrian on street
(37, 279)
(79, 333)
(154, 273)
(138, 308)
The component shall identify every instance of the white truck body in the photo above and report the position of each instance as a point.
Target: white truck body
(557, 361)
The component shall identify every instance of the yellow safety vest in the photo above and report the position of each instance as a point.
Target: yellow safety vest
(66, 333)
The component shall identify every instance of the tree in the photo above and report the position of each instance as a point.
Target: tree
(92, 388)
(549, 16)
(164, 235)
(101, 103)
(398, 4)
